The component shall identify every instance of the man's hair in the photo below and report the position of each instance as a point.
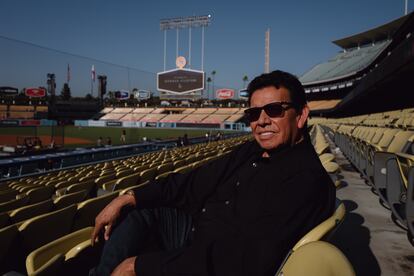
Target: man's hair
(279, 79)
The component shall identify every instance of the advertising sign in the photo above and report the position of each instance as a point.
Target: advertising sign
(7, 90)
(113, 123)
(30, 123)
(224, 93)
(243, 94)
(180, 81)
(35, 92)
(9, 123)
(122, 94)
(142, 94)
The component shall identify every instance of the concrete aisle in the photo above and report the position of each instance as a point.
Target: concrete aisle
(368, 237)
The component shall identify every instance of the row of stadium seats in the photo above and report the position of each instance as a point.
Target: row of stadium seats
(182, 159)
(403, 119)
(322, 148)
(384, 156)
(165, 115)
(82, 213)
(20, 111)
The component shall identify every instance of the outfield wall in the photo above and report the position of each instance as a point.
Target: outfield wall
(133, 124)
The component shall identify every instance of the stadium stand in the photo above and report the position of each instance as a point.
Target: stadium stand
(383, 155)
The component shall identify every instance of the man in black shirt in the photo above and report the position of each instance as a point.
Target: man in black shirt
(248, 207)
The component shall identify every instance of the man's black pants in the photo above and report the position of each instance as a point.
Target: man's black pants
(143, 231)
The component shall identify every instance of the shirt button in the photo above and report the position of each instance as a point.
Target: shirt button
(193, 229)
(203, 210)
(227, 202)
(237, 183)
(254, 165)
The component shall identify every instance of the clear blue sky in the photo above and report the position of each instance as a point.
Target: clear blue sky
(127, 33)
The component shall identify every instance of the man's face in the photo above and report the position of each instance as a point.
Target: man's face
(270, 132)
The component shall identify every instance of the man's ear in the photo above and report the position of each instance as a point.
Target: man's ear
(302, 117)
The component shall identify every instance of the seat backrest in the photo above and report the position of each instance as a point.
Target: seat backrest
(89, 209)
(45, 228)
(85, 185)
(317, 258)
(7, 195)
(40, 258)
(40, 194)
(148, 174)
(399, 141)
(387, 138)
(127, 181)
(325, 228)
(69, 199)
(378, 135)
(133, 187)
(13, 204)
(31, 211)
(7, 236)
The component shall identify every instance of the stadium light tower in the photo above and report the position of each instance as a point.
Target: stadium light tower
(406, 7)
(183, 23)
(267, 51)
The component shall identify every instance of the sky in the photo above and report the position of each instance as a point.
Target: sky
(123, 40)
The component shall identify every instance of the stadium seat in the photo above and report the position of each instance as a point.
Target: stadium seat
(42, 229)
(8, 237)
(317, 258)
(124, 182)
(69, 199)
(40, 194)
(323, 231)
(13, 204)
(30, 211)
(4, 220)
(382, 155)
(397, 169)
(148, 174)
(7, 195)
(49, 258)
(89, 209)
(184, 169)
(409, 206)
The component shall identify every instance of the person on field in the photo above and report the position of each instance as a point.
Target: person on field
(247, 208)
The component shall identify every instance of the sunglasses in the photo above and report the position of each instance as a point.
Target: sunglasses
(273, 110)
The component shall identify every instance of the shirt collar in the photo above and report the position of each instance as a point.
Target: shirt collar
(277, 152)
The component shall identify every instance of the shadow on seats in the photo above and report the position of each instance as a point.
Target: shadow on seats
(353, 239)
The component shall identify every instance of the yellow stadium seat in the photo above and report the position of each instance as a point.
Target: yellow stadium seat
(89, 209)
(43, 261)
(31, 211)
(317, 259)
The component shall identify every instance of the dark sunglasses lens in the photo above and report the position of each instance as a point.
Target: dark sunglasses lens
(253, 114)
(273, 110)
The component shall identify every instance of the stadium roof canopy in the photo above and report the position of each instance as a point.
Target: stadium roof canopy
(344, 64)
(359, 51)
(379, 33)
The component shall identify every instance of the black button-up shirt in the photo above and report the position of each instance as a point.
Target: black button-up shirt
(248, 211)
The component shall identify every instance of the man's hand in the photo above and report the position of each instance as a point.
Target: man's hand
(126, 268)
(108, 216)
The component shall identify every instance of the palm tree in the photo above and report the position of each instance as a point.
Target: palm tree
(245, 79)
(208, 86)
(213, 74)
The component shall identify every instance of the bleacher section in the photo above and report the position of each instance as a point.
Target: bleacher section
(20, 111)
(322, 104)
(381, 147)
(174, 115)
(66, 204)
(345, 63)
(35, 211)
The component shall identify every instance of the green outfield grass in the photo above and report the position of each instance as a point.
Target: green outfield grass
(87, 136)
